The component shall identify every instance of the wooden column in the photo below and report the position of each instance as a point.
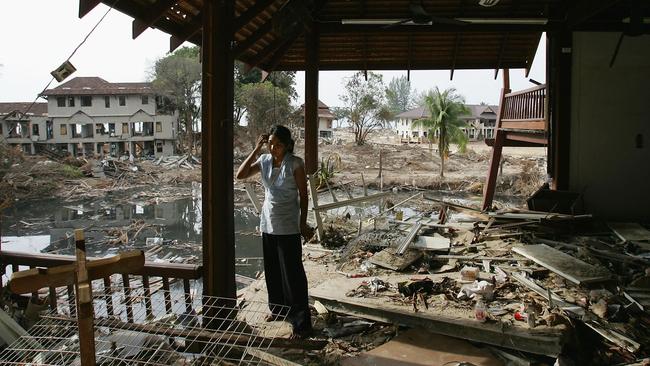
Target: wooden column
(311, 100)
(217, 150)
(559, 61)
(497, 147)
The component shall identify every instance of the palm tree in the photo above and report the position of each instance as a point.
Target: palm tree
(445, 123)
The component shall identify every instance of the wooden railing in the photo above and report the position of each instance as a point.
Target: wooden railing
(153, 273)
(525, 109)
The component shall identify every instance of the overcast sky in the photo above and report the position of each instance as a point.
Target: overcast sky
(38, 35)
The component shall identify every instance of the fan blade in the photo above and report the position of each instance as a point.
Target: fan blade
(389, 26)
(448, 21)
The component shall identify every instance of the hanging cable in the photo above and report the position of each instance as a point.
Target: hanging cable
(72, 54)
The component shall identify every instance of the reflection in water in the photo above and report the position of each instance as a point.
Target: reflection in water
(178, 223)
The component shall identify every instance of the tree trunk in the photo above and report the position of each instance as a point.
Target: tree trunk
(442, 166)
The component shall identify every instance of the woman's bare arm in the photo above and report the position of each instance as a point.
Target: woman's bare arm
(301, 181)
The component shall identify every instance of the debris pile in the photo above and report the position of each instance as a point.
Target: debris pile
(528, 281)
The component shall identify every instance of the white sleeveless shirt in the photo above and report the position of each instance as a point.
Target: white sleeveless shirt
(281, 209)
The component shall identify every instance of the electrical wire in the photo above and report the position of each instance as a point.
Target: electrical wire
(72, 54)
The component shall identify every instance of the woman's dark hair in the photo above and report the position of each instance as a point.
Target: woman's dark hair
(284, 135)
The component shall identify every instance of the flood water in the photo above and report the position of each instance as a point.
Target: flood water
(173, 228)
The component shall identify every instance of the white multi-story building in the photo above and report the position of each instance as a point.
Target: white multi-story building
(480, 123)
(90, 115)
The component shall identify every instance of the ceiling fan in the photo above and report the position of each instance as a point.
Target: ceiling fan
(419, 16)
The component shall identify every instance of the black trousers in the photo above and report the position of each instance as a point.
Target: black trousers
(286, 281)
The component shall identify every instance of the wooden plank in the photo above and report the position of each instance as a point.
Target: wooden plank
(320, 231)
(627, 231)
(563, 264)
(333, 205)
(540, 340)
(269, 358)
(84, 303)
(27, 281)
(161, 269)
(388, 258)
(417, 347)
(252, 196)
(535, 124)
(409, 238)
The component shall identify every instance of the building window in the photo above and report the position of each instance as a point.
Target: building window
(0, 129)
(64, 130)
(145, 99)
(107, 101)
(70, 101)
(158, 126)
(125, 128)
(35, 130)
(60, 101)
(159, 146)
(122, 99)
(86, 101)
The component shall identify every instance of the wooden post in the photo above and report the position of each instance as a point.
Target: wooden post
(559, 94)
(217, 150)
(491, 179)
(84, 303)
(311, 101)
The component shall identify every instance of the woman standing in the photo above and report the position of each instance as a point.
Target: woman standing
(282, 221)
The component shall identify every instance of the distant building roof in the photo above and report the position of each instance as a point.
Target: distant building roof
(475, 111)
(416, 113)
(38, 109)
(323, 110)
(98, 86)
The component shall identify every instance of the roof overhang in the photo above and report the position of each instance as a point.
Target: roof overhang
(270, 34)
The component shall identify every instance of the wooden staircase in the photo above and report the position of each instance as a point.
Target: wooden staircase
(522, 121)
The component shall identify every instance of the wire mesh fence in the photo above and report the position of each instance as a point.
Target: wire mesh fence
(164, 328)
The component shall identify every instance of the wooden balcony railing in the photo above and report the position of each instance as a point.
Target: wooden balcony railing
(525, 109)
(153, 275)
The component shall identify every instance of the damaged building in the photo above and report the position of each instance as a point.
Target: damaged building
(89, 116)
(25, 125)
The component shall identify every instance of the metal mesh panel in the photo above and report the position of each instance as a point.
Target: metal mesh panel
(165, 328)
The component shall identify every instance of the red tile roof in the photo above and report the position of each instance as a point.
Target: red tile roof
(38, 109)
(98, 86)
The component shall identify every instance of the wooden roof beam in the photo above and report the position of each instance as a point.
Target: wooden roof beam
(260, 32)
(583, 10)
(152, 15)
(457, 41)
(334, 28)
(183, 35)
(502, 47)
(282, 50)
(277, 44)
(455, 55)
(250, 13)
(85, 6)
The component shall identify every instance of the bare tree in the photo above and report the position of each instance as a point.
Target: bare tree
(364, 104)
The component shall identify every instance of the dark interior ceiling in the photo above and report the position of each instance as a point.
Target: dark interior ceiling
(270, 34)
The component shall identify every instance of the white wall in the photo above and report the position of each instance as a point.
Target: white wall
(609, 107)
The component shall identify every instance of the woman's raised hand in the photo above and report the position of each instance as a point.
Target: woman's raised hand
(263, 139)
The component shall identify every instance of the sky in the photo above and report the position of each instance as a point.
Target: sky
(38, 35)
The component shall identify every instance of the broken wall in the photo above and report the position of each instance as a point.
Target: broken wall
(609, 111)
